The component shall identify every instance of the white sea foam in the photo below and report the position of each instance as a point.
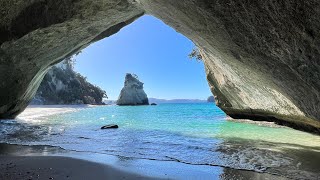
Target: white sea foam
(195, 134)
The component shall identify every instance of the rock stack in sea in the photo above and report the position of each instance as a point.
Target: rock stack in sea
(210, 99)
(132, 93)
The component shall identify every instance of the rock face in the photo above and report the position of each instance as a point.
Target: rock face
(132, 93)
(38, 34)
(62, 85)
(210, 99)
(261, 57)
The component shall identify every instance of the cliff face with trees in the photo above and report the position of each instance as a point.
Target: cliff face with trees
(261, 57)
(62, 85)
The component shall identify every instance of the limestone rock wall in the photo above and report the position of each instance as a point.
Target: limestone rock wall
(261, 57)
(37, 34)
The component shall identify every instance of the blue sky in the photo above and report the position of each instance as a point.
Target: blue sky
(153, 51)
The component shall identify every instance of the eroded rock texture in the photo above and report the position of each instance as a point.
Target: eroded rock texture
(63, 85)
(261, 57)
(132, 93)
(36, 34)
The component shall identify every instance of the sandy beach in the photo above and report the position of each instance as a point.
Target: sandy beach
(51, 162)
(42, 111)
(35, 162)
(51, 167)
(20, 162)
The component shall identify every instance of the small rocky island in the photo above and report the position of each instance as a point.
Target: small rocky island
(132, 93)
(211, 99)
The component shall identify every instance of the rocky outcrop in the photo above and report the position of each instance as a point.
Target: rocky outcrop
(62, 85)
(210, 99)
(38, 34)
(261, 57)
(132, 93)
(110, 126)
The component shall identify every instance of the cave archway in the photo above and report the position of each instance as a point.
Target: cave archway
(261, 57)
(153, 51)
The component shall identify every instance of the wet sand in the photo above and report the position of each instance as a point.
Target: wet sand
(17, 161)
(45, 162)
(49, 162)
(52, 167)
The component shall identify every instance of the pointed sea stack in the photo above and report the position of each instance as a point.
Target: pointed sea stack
(211, 99)
(132, 94)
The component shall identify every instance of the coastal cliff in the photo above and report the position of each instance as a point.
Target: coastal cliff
(62, 85)
(261, 57)
(132, 93)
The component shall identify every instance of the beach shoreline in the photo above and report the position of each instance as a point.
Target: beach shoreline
(43, 111)
(58, 167)
(36, 113)
(24, 161)
(50, 162)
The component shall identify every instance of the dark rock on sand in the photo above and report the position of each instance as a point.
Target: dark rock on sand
(110, 126)
(261, 57)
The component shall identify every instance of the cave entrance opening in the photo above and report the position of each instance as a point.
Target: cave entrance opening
(155, 52)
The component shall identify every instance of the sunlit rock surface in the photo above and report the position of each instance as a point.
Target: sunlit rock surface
(132, 93)
(63, 85)
(261, 57)
(36, 34)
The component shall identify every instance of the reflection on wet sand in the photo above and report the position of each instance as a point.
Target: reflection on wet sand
(26, 150)
(232, 174)
(185, 138)
(288, 160)
(240, 155)
(147, 167)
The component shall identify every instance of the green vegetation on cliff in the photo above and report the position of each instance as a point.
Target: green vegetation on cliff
(62, 85)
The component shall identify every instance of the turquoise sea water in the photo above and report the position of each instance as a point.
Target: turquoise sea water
(197, 134)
